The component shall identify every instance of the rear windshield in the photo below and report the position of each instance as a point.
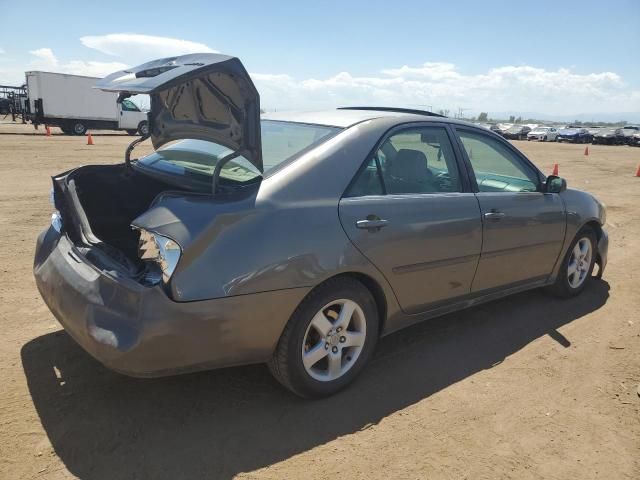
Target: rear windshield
(198, 158)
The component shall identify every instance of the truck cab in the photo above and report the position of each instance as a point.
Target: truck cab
(131, 118)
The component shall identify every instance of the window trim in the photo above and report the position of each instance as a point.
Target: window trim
(525, 163)
(465, 181)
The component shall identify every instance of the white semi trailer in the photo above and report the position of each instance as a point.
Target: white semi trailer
(71, 103)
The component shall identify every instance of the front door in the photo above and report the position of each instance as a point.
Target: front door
(128, 115)
(409, 213)
(523, 228)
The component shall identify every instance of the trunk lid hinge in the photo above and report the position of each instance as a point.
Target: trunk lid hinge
(132, 145)
(216, 172)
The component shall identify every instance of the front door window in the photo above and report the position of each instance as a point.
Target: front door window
(496, 167)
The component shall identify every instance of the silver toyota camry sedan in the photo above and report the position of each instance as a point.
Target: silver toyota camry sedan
(295, 239)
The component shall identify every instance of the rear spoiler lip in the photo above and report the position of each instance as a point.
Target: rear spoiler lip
(172, 71)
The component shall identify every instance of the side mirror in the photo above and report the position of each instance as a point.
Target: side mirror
(555, 184)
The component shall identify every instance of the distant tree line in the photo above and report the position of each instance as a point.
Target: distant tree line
(484, 118)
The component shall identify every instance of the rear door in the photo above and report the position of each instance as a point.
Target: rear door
(411, 212)
(523, 228)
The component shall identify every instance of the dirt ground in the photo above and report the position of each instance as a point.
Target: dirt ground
(525, 387)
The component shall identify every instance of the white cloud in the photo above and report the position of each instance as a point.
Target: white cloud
(144, 47)
(45, 59)
(44, 56)
(443, 85)
(132, 48)
(92, 68)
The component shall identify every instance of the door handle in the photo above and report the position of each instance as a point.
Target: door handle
(372, 225)
(494, 215)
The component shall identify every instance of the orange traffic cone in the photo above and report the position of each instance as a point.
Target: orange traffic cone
(586, 151)
(638, 171)
(48, 130)
(89, 139)
(555, 170)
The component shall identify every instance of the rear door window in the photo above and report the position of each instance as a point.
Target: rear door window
(416, 160)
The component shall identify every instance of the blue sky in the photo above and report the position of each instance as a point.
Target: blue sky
(566, 57)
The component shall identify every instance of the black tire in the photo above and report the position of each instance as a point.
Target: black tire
(78, 128)
(286, 363)
(143, 128)
(562, 288)
(132, 132)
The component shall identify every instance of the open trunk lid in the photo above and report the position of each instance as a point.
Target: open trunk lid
(204, 96)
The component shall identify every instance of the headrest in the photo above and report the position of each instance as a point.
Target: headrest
(409, 165)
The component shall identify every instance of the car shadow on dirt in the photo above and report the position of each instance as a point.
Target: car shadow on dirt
(220, 423)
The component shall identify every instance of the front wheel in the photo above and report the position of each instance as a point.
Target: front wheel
(577, 265)
(328, 339)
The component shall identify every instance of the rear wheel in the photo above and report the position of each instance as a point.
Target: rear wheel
(577, 265)
(328, 340)
(78, 128)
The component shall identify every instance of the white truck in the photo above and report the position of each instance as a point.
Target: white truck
(71, 103)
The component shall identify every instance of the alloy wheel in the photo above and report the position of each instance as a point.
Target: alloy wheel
(334, 340)
(580, 262)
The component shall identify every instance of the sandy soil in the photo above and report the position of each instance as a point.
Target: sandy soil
(526, 387)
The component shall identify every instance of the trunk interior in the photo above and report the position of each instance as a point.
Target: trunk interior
(112, 196)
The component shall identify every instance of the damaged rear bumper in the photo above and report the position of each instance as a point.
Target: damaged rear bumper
(140, 331)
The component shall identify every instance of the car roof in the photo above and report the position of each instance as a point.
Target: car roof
(344, 118)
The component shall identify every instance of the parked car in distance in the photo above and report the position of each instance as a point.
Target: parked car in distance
(574, 135)
(629, 131)
(635, 140)
(495, 128)
(543, 134)
(296, 239)
(491, 126)
(609, 136)
(517, 132)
